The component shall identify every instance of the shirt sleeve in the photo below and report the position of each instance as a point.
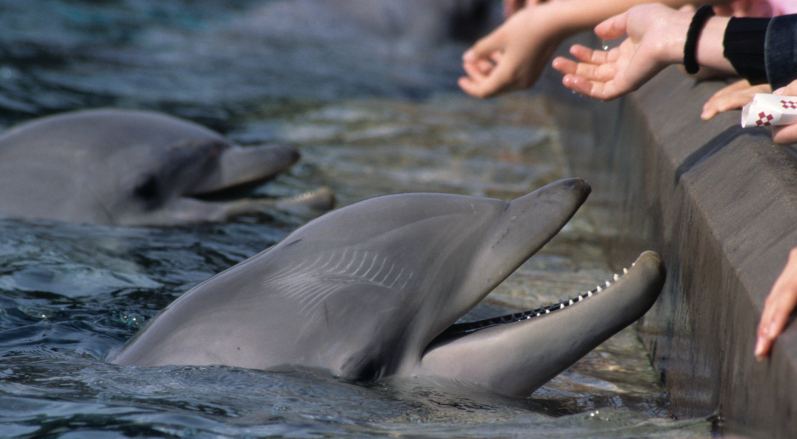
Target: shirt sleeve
(744, 45)
(781, 51)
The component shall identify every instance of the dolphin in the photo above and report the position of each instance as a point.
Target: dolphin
(375, 290)
(126, 167)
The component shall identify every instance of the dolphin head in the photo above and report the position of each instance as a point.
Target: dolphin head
(372, 290)
(124, 167)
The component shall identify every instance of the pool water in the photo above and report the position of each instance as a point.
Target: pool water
(373, 113)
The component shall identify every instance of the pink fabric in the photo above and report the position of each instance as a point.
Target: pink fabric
(783, 7)
(758, 8)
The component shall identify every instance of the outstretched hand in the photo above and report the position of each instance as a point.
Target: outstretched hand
(778, 307)
(656, 37)
(513, 56)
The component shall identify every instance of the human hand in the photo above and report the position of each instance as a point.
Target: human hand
(778, 306)
(732, 97)
(656, 36)
(785, 134)
(512, 56)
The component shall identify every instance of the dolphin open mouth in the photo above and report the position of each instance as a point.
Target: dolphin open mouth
(468, 327)
(547, 340)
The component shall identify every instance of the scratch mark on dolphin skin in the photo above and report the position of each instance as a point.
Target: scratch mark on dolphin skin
(313, 281)
(509, 226)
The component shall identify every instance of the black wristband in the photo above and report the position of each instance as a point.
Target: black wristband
(695, 27)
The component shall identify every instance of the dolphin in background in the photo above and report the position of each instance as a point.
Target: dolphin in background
(375, 289)
(126, 167)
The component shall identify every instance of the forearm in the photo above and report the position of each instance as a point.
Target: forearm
(573, 16)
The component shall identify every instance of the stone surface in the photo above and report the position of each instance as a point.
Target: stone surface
(720, 204)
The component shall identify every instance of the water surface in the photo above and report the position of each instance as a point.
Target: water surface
(373, 114)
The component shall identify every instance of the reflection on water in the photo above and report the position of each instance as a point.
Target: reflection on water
(373, 115)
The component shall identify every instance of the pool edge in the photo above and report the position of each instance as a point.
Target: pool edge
(719, 203)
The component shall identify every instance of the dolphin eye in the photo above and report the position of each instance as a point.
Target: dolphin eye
(149, 191)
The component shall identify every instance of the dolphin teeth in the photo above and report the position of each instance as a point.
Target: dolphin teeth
(547, 311)
(608, 284)
(571, 302)
(599, 289)
(625, 271)
(589, 293)
(616, 277)
(580, 298)
(562, 306)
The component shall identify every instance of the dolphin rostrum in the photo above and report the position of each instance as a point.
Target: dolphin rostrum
(374, 289)
(125, 167)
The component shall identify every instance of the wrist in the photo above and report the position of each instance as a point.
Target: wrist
(709, 46)
(693, 35)
(673, 39)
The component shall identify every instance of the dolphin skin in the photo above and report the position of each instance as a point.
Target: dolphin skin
(375, 289)
(124, 167)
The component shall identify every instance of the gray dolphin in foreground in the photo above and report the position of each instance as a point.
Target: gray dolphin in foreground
(124, 167)
(374, 289)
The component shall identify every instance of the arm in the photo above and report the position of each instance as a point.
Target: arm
(656, 37)
(513, 56)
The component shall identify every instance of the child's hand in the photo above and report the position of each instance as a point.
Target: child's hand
(732, 97)
(656, 36)
(513, 56)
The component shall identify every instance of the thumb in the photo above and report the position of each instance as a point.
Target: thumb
(612, 28)
(484, 48)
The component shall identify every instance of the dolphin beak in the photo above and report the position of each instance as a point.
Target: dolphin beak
(517, 357)
(243, 168)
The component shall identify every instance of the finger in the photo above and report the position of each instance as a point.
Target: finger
(736, 86)
(614, 27)
(789, 90)
(586, 87)
(483, 66)
(773, 321)
(587, 55)
(485, 47)
(785, 134)
(474, 72)
(564, 65)
(778, 305)
(716, 105)
(732, 97)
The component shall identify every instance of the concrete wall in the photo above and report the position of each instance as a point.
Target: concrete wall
(720, 204)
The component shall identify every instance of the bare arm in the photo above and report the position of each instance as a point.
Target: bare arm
(513, 56)
(656, 37)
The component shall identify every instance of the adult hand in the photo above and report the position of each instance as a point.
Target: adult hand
(777, 307)
(513, 56)
(786, 134)
(732, 97)
(656, 36)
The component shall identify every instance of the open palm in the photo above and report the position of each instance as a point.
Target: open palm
(645, 52)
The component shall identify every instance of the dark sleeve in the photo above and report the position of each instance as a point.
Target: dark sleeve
(781, 51)
(744, 46)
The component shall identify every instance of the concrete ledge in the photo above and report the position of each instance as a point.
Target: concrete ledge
(720, 204)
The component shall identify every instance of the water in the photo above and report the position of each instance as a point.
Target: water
(374, 114)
